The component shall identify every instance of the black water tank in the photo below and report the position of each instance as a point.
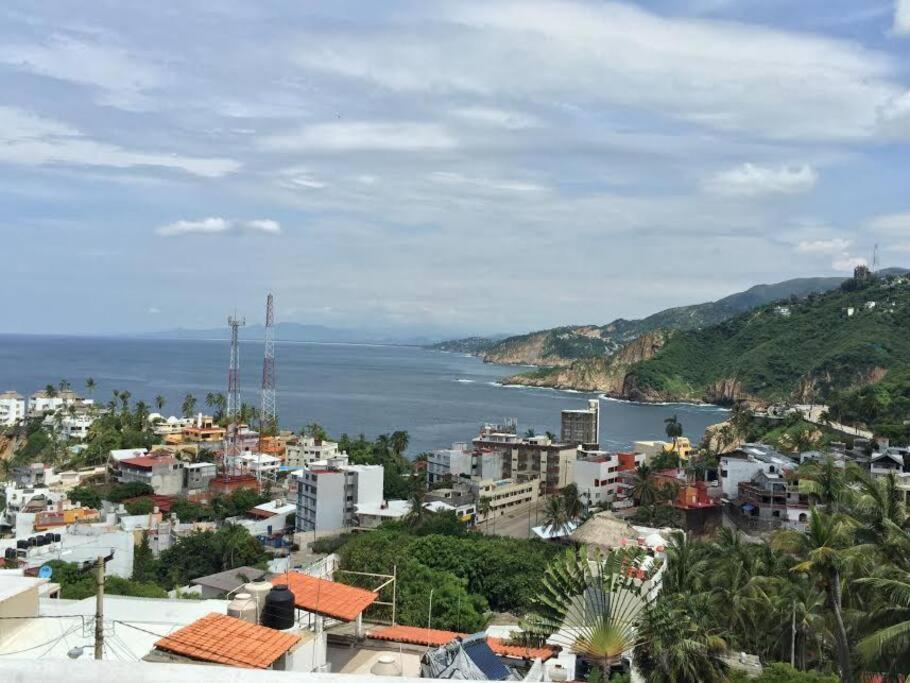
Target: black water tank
(56, 538)
(49, 537)
(278, 610)
(40, 540)
(10, 553)
(22, 543)
(32, 542)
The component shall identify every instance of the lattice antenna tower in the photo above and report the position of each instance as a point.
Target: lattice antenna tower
(875, 259)
(268, 412)
(233, 388)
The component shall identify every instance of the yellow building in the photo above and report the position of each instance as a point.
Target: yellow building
(653, 448)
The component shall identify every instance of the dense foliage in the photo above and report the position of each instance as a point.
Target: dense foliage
(387, 450)
(772, 352)
(77, 583)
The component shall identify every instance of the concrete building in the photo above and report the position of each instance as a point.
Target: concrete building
(197, 475)
(745, 462)
(597, 475)
(523, 458)
(69, 427)
(203, 430)
(12, 408)
(329, 491)
(582, 427)
(303, 450)
(656, 447)
(503, 494)
(371, 515)
(41, 402)
(163, 473)
(445, 464)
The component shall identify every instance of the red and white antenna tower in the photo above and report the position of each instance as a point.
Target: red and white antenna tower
(233, 446)
(268, 412)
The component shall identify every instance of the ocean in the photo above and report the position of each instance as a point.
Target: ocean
(438, 398)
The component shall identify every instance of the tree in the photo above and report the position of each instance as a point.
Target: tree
(189, 406)
(399, 442)
(50, 390)
(144, 564)
(316, 431)
(591, 604)
(674, 429)
(160, 402)
(823, 551)
(529, 433)
(86, 496)
(554, 515)
(483, 508)
(141, 411)
(644, 488)
(125, 400)
(90, 386)
(142, 506)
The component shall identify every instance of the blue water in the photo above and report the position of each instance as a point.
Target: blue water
(439, 398)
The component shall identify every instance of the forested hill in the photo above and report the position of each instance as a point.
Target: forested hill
(805, 350)
(561, 346)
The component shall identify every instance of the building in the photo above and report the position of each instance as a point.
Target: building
(73, 426)
(197, 475)
(202, 430)
(163, 473)
(522, 458)
(772, 499)
(582, 427)
(654, 448)
(597, 475)
(446, 464)
(743, 463)
(503, 494)
(329, 491)
(221, 584)
(303, 450)
(41, 402)
(12, 408)
(166, 426)
(371, 515)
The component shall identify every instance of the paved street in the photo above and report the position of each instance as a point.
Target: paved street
(515, 522)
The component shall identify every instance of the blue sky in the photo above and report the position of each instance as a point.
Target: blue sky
(468, 166)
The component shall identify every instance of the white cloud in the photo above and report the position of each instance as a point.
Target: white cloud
(298, 177)
(897, 224)
(216, 226)
(902, 17)
(499, 118)
(750, 180)
(485, 183)
(719, 74)
(153, 310)
(827, 246)
(847, 263)
(122, 78)
(363, 136)
(32, 140)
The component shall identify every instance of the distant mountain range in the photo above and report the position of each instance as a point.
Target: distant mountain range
(288, 331)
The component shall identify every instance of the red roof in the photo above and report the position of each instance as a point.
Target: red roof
(431, 637)
(149, 461)
(226, 640)
(331, 599)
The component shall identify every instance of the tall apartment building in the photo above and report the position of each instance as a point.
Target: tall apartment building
(329, 491)
(503, 494)
(523, 458)
(582, 427)
(445, 464)
(303, 450)
(598, 476)
(12, 408)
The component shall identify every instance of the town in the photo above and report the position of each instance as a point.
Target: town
(204, 529)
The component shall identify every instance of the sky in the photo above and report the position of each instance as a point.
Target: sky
(478, 166)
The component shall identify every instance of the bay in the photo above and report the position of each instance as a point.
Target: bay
(439, 398)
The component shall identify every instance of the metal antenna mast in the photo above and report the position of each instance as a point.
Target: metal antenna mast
(875, 259)
(268, 414)
(233, 390)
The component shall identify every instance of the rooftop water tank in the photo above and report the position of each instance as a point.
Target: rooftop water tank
(243, 607)
(385, 666)
(278, 611)
(258, 590)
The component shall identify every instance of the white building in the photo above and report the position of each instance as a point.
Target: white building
(745, 462)
(257, 464)
(449, 463)
(307, 450)
(12, 408)
(329, 491)
(371, 515)
(70, 427)
(80, 544)
(597, 476)
(163, 426)
(41, 402)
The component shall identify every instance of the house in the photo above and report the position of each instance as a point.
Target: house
(371, 515)
(329, 491)
(449, 463)
(202, 430)
(269, 518)
(741, 464)
(221, 584)
(12, 408)
(772, 499)
(198, 475)
(163, 473)
(652, 449)
(303, 450)
(596, 474)
(69, 426)
(42, 402)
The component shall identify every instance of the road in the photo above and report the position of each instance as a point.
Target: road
(515, 522)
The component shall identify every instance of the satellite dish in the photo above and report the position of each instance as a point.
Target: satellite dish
(45, 572)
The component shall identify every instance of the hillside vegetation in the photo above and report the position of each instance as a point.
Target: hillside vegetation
(560, 346)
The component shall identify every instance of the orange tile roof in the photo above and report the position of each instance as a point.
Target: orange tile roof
(331, 599)
(415, 635)
(226, 640)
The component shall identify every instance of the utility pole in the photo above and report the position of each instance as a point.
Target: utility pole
(99, 608)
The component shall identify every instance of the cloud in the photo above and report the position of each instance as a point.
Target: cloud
(363, 136)
(219, 226)
(897, 224)
(750, 180)
(31, 140)
(121, 78)
(721, 75)
(298, 177)
(847, 263)
(485, 183)
(902, 17)
(153, 310)
(499, 118)
(826, 246)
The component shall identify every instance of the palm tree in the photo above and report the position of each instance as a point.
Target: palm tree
(483, 507)
(64, 385)
(50, 390)
(529, 433)
(189, 406)
(160, 402)
(125, 400)
(591, 604)
(644, 489)
(316, 431)
(571, 502)
(142, 413)
(892, 642)
(825, 483)
(823, 551)
(90, 386)
(554, 515)
(674, 429)
(399, 442)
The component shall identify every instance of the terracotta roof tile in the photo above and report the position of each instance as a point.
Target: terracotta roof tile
(331, 599)
(226, 640)
(416, 635)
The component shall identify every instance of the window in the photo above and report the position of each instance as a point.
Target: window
(775, 513)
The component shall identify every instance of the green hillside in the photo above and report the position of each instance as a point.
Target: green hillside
(807, 349)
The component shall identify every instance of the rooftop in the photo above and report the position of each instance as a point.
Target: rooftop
(229, 580)
(328, 598)
(226, 640)
(431, 637)
(389, 508)
(147, 462)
